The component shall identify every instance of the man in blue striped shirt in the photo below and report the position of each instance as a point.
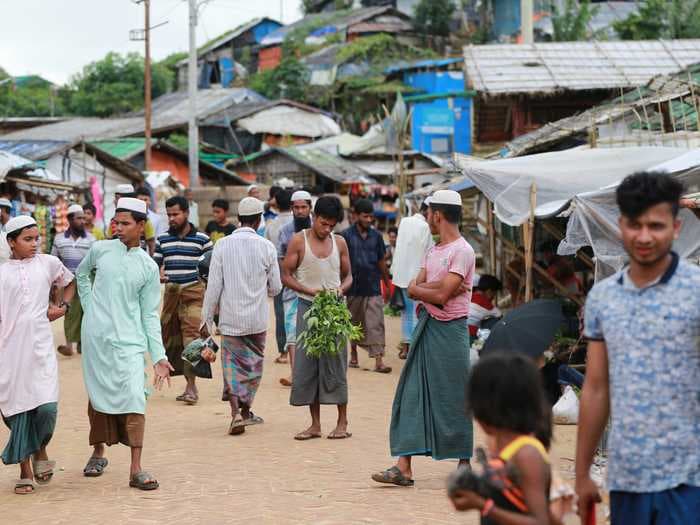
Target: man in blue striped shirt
(177, 254)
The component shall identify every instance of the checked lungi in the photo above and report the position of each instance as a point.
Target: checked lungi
(242, 366)
(179, 321)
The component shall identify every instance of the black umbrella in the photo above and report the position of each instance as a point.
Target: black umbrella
(529, 329)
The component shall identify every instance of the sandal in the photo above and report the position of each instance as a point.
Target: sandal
(393, 476)
(65, 350)
(354, 365)
(340, 435)
(281, 360)
(43, 470)
(306, 435)
(181, 397)
(237, 427)
(383, 370)
(190, 399)
(23, 484)
(253, 420)
(95, 467)
(285, 382)
(140, 481)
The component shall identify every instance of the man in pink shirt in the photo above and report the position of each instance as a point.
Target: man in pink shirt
(428, 416)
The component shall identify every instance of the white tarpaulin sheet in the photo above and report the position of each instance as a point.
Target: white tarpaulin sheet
(586, 179)
(10, 161)
(558, 176)
(288, 120)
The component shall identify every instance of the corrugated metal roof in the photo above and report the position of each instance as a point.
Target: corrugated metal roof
(169, 112)
(121, 148)
(422, 64)
(339, 20)
(550, 67)
(33, 150)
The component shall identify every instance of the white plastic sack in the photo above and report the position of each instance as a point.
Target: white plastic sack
(565, 412)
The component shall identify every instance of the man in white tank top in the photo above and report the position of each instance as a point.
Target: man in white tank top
(316, 260)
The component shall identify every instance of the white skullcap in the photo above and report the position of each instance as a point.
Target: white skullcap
(252, 187)
(250, 206)
(18, 223)
(124, 189)
(285, 183)
(6, 203)
(75, 209)
(449, 197)
(131, 204)
(428, 200)
(301, 195)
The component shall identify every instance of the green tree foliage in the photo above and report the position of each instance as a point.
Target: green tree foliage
(572, 24)
(34, 97)
(288, 80)
(170, 64)
(432, 17)
(114, 85)
(661, 19)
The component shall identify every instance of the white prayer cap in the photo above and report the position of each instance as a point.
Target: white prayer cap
(285, 183)
(5, 203)
(131, 204)
(428, 200)
(252, 187)
(250, 206)
(301, 195)
(18, 223)
(449, 197)
(75, 209)
(124, 189)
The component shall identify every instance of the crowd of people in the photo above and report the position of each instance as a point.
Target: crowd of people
(642, 373)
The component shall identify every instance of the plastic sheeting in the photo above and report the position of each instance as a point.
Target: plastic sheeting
(288, 120)
(583, 181)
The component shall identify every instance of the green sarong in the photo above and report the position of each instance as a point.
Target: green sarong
(429, 416)
(29, 431)
(73, 320)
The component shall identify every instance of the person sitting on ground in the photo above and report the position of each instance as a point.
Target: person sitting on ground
(219, 227)
(506, 399)
(482, 305)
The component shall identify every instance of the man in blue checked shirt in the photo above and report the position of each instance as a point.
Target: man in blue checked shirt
(177, 253)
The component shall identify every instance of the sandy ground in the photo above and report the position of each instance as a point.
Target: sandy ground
(263, 476)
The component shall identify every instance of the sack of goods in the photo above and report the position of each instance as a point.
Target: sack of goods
(565, 411)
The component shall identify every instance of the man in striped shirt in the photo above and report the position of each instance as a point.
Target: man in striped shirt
(177, 254)
(71, 248)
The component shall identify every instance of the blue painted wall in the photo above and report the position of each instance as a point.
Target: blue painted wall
(227, 71)
(264, 28)
(442, 125)
(506, 17)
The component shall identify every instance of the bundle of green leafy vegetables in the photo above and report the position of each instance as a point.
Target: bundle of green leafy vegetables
(328, 325)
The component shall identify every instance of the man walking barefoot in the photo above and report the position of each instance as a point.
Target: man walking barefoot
(120, 325)
(318, 260)
(643, 368)
(428, 416)
(243, 272)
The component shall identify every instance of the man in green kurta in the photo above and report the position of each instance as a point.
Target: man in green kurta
(120, 325)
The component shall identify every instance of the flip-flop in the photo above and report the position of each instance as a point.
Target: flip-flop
(43, 468)
(190, 399)
(95, 467)
(385, 370)
(236, 428)
(285, 382)
(393, 476)
(64, 351)
(354, 365)
(281, 360)
(340, 435)
(24, 483)
(306, 435)
(139, 481)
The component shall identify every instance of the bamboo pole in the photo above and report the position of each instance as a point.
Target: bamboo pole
(529, 244)
(492, 238)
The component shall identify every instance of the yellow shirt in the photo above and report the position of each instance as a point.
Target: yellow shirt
(97, 233)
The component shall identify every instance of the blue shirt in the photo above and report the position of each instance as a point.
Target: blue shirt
(651, 335)
(365, 255)
(180, 255)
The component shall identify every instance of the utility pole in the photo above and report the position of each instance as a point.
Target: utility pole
(192, 131)
(145, 35)
(526, 23)
(147, 84)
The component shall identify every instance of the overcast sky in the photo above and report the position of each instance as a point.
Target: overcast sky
(55, 39)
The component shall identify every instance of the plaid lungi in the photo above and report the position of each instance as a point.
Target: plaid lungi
(242, 366)
(179, 321)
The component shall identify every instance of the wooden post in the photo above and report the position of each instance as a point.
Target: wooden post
(147, 87)
(492, 237)
(529, 229)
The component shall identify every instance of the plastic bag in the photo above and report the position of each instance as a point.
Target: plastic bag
(565, 411)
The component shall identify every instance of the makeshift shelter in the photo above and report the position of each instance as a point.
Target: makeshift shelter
(529, 191)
